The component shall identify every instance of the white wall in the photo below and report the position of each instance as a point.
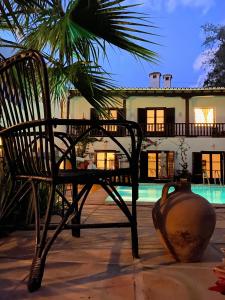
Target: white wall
(80, 108)
(133, 103)
(216, 102)
(172, 144)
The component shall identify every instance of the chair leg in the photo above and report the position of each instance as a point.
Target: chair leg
(76, 220)
(134, 231)
(38, 263)
(77, 216)
(134, 239)
(78, 207)
(43, 244)
(36, 273)
(132, 217)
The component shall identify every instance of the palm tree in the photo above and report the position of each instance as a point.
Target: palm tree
(71, 35)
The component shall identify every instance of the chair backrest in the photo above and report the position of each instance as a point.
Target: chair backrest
(24, 100)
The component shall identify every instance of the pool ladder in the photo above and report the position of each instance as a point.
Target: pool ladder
(217, 177)
(205, 177)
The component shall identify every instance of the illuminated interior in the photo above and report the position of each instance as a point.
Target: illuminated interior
(160, 164)
(155, 120)
(211, 165)
(216, 171)
(112, 116)
(151, 164)
(105, 160)
(206, 164)
(204, 115)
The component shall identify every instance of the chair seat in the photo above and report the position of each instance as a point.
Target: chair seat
(90, 176)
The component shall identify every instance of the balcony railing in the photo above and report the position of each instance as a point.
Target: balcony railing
(163, 130)
(183, 129)
(114, 130)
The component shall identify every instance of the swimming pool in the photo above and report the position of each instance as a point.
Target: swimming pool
(152, 192)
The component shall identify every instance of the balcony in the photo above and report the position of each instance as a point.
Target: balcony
(114, 130)
(183, 129)
(162, 130)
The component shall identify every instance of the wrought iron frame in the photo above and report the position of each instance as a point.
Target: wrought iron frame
(30, 140)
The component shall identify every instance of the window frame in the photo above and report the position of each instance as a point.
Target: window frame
(105, 158)
(155, 109)
(205, 123)
(210, 153)
(157, 152)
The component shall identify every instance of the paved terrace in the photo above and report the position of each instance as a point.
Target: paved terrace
(99, 265)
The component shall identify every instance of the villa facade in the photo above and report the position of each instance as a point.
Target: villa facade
(184, 129)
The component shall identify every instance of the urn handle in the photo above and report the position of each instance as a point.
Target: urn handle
(165, 190)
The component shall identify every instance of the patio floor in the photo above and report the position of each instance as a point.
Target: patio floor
(99, 265)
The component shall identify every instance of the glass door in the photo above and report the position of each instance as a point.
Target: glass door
(212, 165)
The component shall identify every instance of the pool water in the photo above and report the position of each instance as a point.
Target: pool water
(152, 192)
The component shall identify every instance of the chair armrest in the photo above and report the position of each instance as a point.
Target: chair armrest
(69, 141)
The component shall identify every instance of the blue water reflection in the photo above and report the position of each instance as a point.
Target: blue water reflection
(152, 192)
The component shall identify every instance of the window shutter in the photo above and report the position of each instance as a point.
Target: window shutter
(144, 166)
(93, 114)
(121, 114)
(197, 167)
(142, 118)
(170, 121)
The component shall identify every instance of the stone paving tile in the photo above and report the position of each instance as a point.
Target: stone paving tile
(99, 265)
(170, 283)
(218, 235)
(102, 256)
(72, 280)
(17, 245)
(220, 216)
(220, 223)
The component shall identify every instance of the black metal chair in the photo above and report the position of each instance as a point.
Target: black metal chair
(35, 150)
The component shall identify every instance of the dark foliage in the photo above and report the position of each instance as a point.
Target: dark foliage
(215, 42)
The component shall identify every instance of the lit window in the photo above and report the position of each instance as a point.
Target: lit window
(211, 165)
(160, 164)
(106, 160)
(155, 120)
(112, 116)
(216, 165)
(204, 115)
(206, 165)
(151, 164)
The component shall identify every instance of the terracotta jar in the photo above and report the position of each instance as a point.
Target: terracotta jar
(184, 220)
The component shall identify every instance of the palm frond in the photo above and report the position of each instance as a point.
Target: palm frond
(62, 38)
(93, 84)
(91, 81)
(7, 14)
(10, 44)
(72, 35)
(17, 14)
(107, 19)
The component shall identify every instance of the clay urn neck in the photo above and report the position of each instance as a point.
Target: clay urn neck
(184, 185)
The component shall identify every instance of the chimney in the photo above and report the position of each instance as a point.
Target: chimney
(167, 78)
(155, 79)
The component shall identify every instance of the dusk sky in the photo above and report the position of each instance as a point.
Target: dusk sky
(180, 37)
(179, 26)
